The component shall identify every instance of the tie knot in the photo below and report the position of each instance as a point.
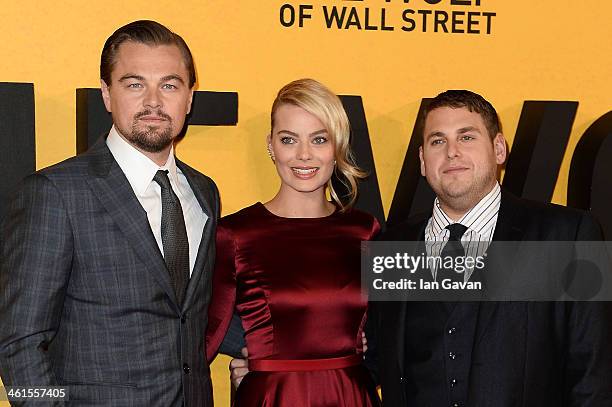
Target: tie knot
(456, 231)
(161, 177)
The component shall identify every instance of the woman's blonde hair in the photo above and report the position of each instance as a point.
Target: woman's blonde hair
(318, 100)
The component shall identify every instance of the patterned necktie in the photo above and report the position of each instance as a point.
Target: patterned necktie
(454, 249)
(174, 236)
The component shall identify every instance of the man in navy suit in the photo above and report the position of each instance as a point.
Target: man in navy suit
(502, 354)
(106, 258)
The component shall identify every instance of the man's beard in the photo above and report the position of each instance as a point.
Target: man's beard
(151, 139)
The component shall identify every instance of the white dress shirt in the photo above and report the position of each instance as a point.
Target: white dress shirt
(480, 222)
(140, 170)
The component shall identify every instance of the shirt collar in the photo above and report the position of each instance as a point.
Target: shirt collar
(137, 167)
(440, 220)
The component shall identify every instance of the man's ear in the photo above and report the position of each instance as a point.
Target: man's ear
(422, 161)
(106, 95)
(190, 101)
(499, 147)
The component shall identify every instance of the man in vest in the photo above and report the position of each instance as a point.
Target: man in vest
(502, 354)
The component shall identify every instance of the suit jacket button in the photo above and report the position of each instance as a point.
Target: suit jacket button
(186, 368)
(455, 404)
(452, 355)
(452, 331)
(453, 382)
(183, 319)
(402, 379)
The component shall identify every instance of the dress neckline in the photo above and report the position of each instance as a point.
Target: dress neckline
(266, 210)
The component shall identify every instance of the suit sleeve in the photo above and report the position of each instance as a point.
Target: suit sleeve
(372, 323)
(36, 247)
(223, 297)
(233, 342)
(589, 366)
(372, 328)
(589, 363)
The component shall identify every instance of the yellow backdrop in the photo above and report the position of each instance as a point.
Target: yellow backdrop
(547, 50)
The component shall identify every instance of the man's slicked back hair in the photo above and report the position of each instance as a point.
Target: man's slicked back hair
(144, 32)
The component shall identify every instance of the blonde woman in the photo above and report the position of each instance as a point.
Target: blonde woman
(291, 266)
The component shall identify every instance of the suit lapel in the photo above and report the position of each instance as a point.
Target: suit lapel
(114, 192)
(203, 257)
(510, 227)
(400, 338)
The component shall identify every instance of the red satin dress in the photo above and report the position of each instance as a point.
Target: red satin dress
(295, 283)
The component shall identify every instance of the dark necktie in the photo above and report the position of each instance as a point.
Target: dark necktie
(174, 236)
(454, 249)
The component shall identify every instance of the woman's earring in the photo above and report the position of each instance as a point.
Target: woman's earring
(270, 153)
(334, 163)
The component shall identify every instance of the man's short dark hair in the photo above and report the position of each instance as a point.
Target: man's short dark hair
(457, 99)
(144, 32)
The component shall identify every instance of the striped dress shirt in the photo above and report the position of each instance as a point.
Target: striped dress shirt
(480, 221)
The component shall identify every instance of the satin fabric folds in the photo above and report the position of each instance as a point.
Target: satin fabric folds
(295, 282)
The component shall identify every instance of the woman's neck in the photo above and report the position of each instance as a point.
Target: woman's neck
(300, 204)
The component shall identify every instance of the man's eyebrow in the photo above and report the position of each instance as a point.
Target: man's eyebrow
(468, 129)
(172, 77)
(167, 78)
(131, 76)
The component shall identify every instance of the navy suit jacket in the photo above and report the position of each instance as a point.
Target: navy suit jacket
(503, 354)
(85, 296)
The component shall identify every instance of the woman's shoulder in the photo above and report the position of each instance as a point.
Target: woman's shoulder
(364, 221)
(358, 215)
(242, 217)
